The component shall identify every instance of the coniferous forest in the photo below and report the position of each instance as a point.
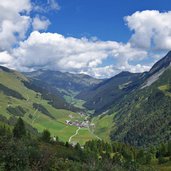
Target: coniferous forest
(22, 151)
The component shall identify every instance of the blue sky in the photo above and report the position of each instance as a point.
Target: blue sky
(101, 18)
(96, 37)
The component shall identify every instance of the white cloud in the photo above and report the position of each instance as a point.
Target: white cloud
(81, 55)
(111, 70)
(152, 29)
(46, 6)
(102, 72)
(40, 23)
(15, 6)
(54, 51)
(5, 58)
(54, 4)
(57, 52)
(13, 25)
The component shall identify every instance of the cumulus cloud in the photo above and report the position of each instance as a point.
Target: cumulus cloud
(13, 25)
(40, 23)
(102, 72)
(80, 55)
(54, 4)
(5, 58)
(46, 6)
(54, 51)
(152, 29)
(111, 70)
(58, 52)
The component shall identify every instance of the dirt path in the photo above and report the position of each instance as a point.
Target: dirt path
(92, 132)
(74, 134)
(27, 98)
(35, 116)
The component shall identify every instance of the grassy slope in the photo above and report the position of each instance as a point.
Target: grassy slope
(70, 98)
(103, 126)
(40, 121)
(83, 135)
(160, 167)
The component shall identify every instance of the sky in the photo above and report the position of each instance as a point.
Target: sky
(96, 37)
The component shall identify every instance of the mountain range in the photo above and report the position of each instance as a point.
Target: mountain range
(130, 107)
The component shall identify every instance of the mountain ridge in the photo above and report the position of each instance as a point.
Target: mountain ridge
(136, 81)
(136, 110)
(143, 116)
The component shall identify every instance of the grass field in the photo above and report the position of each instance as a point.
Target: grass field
(83, 135)
(161, 167)
(165, 89)
(103, 125)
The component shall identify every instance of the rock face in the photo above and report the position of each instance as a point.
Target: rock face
(161, 64)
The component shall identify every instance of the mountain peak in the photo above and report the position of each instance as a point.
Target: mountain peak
(125, 74)
(161, 64)
(2, 68)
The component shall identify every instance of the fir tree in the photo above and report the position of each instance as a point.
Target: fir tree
(19, 129)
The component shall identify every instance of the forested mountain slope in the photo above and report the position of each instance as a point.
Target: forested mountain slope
(143, 116)
(66, 84)
(106, 94)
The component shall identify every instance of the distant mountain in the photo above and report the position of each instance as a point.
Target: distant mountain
(157, 70)
(66, 84)
(104, 95)
(64, 80)
(136, 105)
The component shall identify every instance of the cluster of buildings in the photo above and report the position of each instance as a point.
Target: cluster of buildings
(81, 124)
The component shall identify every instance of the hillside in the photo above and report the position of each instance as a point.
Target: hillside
(132, 108)
(42, 152)
(38, 107)
(143, 117)
(104, 95)
(21, 151)
(66, 85)
(64, 80)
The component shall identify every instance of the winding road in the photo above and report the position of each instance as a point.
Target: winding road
(74, 134)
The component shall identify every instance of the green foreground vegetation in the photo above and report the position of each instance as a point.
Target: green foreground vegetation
(20, 150)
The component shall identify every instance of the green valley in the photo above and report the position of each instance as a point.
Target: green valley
(43, 116)
(85, 85)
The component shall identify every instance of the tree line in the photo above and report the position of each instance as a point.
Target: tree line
(22, 151)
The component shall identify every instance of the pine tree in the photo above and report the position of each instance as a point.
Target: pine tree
(46, 136)
(19, 129)
(169, 148)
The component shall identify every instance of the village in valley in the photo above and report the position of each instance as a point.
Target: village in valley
(82, 124)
